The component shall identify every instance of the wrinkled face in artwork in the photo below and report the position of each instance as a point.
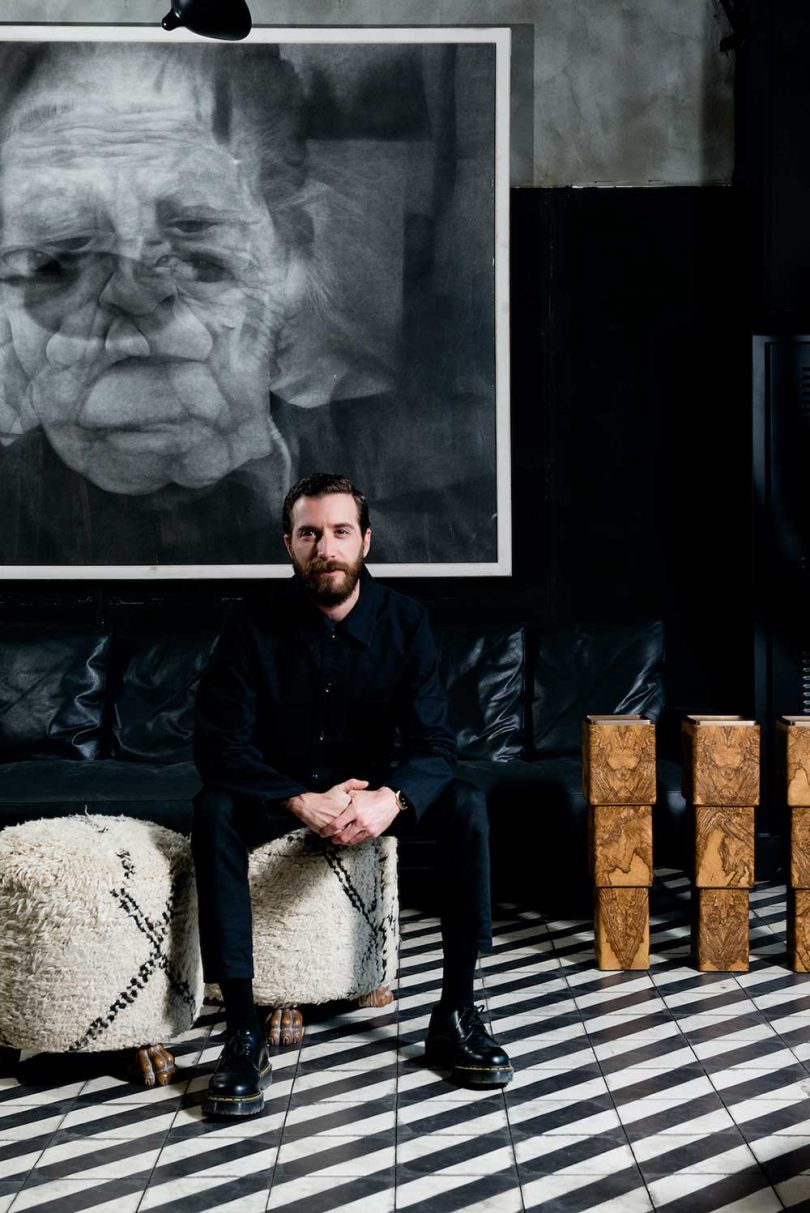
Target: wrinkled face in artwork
(142, 281)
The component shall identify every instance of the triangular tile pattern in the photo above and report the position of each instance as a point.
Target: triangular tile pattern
(671, 1090)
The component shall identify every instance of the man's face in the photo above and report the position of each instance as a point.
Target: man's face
(327, 547)
(141, 284)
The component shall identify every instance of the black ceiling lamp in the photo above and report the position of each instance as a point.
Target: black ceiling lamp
(227, 19)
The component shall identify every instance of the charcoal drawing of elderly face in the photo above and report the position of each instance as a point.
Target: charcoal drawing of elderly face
(223, 270)
(145, 284)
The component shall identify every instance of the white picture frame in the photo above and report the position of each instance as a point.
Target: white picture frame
(422, 112)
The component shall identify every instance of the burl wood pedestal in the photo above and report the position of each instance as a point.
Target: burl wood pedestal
(794, 732)
(618, 774)
(721, 781)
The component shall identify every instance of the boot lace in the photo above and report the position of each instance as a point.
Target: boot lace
(470, 1019)
(239, 1043)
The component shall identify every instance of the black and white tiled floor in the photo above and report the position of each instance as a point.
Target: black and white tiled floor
(670, 1090)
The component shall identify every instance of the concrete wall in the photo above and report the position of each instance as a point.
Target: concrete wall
(605, 92)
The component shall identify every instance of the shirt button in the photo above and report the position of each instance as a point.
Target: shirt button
(322, 737)
(328, 687)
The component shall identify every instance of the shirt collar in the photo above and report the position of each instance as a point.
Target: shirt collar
(358, 624)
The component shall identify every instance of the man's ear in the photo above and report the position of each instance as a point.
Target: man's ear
(288, 545)
(367, 541)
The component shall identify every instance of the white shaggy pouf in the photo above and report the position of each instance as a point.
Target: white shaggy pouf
(99, 945)
(325, 919)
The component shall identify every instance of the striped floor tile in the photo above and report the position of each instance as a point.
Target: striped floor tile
(670, 1090)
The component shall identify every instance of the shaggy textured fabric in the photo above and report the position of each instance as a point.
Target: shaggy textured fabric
(325, 919)
(99, 945)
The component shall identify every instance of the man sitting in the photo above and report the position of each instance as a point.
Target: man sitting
(297, 713)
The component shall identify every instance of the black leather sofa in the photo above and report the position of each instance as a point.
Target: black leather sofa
(102, 721)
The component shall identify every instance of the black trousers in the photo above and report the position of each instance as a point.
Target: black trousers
(226, 828)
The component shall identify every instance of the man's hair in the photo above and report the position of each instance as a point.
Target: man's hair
(318, 485)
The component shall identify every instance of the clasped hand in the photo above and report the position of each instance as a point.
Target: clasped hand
(348, 813)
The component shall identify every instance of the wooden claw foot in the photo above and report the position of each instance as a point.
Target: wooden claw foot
(284, 1027)
(377, 998)
(153, 1066)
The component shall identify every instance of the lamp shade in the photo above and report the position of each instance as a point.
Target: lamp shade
(227, 19)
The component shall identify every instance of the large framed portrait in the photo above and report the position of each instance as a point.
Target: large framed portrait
(227, 266)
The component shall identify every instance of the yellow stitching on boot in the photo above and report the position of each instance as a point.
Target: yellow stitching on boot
(484, 1069)
(235, 1098)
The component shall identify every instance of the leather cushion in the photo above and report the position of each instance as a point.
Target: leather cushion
(153, 713)
(52, 787)
(483, 672)
(52, 683)
(601, 668)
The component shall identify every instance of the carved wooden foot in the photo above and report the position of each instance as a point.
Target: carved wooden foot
(284, 1026)
(153, 1065)
(377, 998)
(622, 928)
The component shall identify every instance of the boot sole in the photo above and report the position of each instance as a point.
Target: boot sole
(470, 1076)
(231, 1106)
(482, 1076)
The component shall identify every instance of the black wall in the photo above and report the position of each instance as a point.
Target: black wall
(772, 167)
(631, 453)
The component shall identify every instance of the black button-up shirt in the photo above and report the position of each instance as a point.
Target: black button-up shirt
(291, 702)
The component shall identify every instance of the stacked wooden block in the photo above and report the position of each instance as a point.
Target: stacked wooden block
(618, 771)
(795, 736)
(721, 781)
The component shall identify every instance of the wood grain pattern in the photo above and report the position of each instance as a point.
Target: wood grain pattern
(720, 930)
(622, 928)
(618, 760)
(622, 846)
(795, 736)
(724, 847)
(721, 762)
(800, 847)
(798, 930)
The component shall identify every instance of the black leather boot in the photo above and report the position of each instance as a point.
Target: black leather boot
(458, 1041)
(241, 1077)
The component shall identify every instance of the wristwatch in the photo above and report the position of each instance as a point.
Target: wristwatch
(402, 803)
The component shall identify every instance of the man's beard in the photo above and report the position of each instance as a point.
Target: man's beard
(325, 592)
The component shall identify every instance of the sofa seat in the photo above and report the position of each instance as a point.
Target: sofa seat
(539, 826)
(102, 721)
(51, 787)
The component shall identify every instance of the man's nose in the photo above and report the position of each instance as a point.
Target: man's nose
(137, 287)
(324, 548)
